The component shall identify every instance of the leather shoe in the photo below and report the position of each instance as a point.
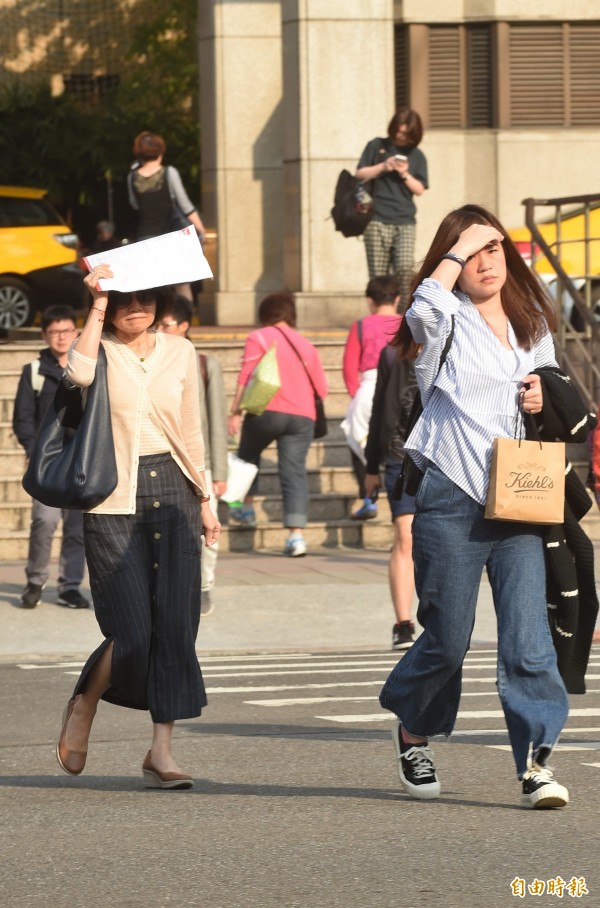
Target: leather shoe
(71, 761)
(154, 778)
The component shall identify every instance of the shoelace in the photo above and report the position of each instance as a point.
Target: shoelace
(421, 759)
(539, 774)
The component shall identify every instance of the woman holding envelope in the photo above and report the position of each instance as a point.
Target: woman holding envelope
(143, 542)
(473, 278)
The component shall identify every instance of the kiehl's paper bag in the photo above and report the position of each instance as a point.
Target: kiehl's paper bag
(527, 481)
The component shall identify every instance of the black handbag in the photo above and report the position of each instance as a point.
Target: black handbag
(410, 475)
(73, 464)
(177, 219)
(320, 418)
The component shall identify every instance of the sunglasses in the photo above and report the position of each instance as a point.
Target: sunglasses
(124, 300)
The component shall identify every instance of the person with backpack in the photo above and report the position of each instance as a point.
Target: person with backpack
(396, 169)
(366, 339)
(158, 196)
(156, 192)
(35, 392)
(392, 403)
(177, 319)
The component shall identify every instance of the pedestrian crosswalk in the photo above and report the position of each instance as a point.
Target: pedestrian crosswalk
(340, 689)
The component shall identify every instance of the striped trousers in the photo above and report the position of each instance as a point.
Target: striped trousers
(391, 248)
(145, 580)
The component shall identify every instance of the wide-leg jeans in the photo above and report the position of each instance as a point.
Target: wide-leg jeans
(452, 543)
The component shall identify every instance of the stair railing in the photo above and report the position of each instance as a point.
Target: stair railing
(578, 335)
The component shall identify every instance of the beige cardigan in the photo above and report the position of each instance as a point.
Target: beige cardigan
(168, 384)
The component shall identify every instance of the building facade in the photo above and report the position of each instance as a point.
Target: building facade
(292, 90)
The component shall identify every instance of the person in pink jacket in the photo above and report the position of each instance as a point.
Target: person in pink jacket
(289, 418)
(366, 339)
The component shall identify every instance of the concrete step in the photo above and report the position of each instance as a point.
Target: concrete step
(269, 537)
(15, 516)
(229, 348)
(336, 403)
(324, 480)
(9, 379)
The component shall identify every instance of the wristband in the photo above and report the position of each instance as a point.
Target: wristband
(451, 256)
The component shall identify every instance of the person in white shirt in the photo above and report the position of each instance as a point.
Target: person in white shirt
(473, 279)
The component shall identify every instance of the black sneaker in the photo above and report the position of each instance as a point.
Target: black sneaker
(73, 599)
(416, 767)
(541, 790)
(31, 595)
(402, 635)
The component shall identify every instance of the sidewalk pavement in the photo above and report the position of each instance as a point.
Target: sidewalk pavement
(264, 602)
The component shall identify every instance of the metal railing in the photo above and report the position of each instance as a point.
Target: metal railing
(575, 295)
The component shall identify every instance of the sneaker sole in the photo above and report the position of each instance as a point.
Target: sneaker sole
(70, 604)
(428, 792)
(400, 647)
(548, 797)
(366, 517)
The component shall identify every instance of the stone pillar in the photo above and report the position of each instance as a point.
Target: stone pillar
(242, 150)
(291, 91)
(338, 82)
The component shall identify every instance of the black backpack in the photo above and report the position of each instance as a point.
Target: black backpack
(352, 205)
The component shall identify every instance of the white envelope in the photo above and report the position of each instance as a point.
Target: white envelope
(173, 258)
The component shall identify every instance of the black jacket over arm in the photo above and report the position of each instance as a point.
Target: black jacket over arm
(570, 575)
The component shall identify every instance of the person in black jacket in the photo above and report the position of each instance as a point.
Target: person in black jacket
(35, 392)
(395, 389)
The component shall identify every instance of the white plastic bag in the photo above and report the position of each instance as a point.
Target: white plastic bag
(240, 476)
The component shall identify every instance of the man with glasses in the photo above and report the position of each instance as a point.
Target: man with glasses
(35, 392)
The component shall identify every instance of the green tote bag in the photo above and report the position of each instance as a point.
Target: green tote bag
(263, 384)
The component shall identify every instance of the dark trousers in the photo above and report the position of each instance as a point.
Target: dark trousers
(360, 471)
(293, 435)
(145, 579)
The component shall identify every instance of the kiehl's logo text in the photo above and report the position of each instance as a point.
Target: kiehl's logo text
(527, 481)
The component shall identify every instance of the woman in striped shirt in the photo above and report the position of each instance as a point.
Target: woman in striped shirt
(474, 281)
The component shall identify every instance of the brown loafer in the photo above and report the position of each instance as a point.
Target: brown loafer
(71, 761)
(154, 778)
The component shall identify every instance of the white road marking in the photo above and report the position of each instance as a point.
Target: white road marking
(483, 714)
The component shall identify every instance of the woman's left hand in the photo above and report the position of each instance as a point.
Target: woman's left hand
(210, 525)
(532, 398)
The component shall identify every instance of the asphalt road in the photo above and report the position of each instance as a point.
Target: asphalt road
(296, 803)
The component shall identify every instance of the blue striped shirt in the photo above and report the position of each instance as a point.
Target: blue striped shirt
(475, 396)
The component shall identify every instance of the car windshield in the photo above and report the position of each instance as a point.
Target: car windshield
(27, 213)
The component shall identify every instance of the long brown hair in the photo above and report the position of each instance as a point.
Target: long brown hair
(524, 299)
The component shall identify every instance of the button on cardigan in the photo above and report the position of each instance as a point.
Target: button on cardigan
(167, 384)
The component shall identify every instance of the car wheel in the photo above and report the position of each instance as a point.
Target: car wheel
(16, 308)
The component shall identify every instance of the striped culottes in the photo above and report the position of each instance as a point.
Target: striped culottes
(145, 579)
(391, 248)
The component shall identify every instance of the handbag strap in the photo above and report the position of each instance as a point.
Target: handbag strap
(417, 407)
(295, 349)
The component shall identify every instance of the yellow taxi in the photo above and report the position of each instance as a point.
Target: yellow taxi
(38, 257)
(568, 241)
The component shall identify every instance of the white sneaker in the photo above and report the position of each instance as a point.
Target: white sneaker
(295, 547)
